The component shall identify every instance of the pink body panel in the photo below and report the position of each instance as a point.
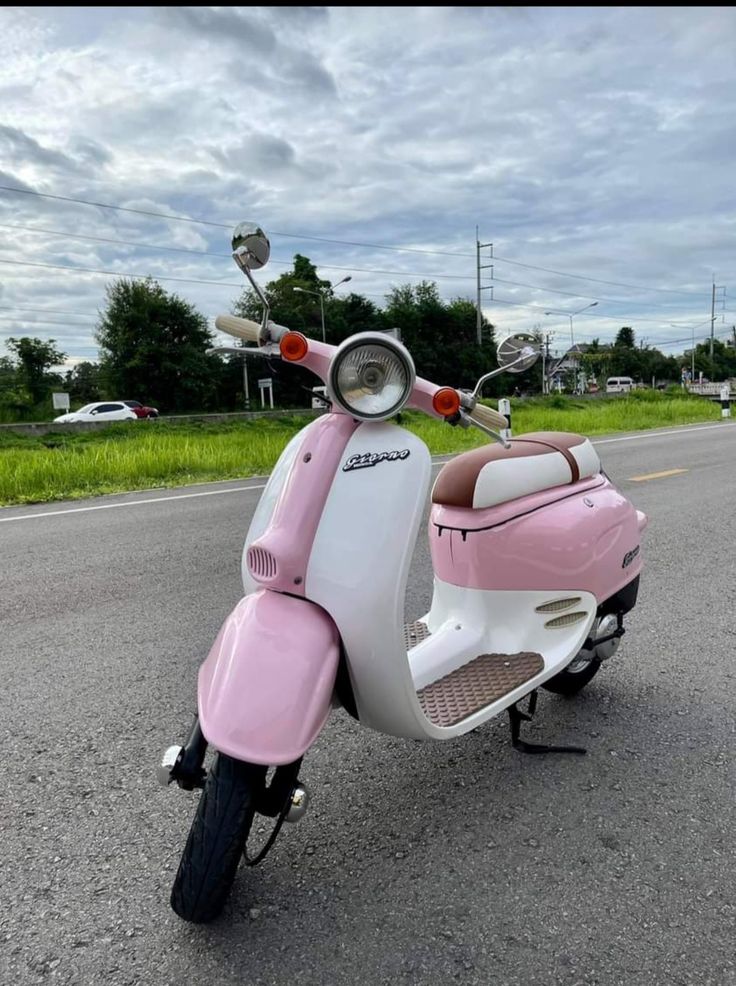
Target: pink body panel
(278, 558)
(573, 538)
(266, 686)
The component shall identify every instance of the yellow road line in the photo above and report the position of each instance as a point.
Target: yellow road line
(657, 475)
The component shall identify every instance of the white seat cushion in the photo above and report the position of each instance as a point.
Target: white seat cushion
(534, 462)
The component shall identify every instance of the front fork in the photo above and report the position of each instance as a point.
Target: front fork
(284, 794)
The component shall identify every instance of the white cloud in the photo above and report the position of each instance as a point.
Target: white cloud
(595, 141)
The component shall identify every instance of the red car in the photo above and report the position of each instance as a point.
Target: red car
(140, 411)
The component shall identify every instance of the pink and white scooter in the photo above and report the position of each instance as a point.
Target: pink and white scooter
(536, 559)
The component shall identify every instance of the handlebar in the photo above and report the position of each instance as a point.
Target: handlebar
(241, 328)
(319, 356)
(486, 416)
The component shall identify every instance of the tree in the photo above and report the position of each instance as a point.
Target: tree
(153, 348)
(441, 336)
(33, 358)
(301, 312)
(83, 383)
(624, 338)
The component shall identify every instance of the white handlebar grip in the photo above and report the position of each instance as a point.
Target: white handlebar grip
(487, 416)
(241, 328)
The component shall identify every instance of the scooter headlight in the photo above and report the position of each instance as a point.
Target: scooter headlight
(371, 376)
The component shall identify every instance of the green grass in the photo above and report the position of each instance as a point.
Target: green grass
(143, 455)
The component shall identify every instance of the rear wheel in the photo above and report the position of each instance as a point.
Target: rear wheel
(575, 676)
(217, 838)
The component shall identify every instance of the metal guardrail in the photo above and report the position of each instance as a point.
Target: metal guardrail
(44, 427)
(713, 390)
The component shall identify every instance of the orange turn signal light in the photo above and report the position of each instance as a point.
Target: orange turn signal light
(293, 346)
(446, 402)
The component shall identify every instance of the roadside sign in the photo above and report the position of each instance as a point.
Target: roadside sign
(266, 385)
(61, 402)
(316, 393)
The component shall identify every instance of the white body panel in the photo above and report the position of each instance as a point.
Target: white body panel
(465, 623)
(359, 566)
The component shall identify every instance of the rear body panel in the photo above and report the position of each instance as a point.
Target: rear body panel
(584, 537)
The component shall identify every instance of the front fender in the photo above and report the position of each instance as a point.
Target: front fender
(266, 686)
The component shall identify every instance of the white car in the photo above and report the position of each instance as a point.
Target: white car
(99, 411)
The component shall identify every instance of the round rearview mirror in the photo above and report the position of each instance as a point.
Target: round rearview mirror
(517, 353)
(251, 248)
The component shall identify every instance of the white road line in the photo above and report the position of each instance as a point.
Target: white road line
(243, 489)
(685, 430)
(131, 503)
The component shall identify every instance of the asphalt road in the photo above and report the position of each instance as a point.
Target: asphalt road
(418, 863)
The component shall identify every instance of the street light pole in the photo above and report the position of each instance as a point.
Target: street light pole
(570, 316)
(321, 295)
(322, 313)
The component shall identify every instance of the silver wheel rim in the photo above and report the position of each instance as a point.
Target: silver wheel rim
(580, 663)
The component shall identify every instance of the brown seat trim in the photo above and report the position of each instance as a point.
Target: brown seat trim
(455, 485)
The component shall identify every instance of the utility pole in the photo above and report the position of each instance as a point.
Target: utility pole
(545, 361)
(245, 378)
(487, 287)
(713, 312)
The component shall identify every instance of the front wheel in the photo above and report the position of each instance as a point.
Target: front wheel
(217, 838)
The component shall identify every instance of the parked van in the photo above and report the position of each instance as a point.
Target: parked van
(619, 385)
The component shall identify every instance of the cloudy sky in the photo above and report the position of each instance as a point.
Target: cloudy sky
(594, 147)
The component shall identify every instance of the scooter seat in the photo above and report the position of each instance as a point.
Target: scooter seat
(493, 474)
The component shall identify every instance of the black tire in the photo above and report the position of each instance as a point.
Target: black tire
(216, 839)
(571, 682)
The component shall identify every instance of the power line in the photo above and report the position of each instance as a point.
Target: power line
(117, 208)
(43, 311)
(162, 277)
(364, 270)
(569, 294)
(226, 256)
(610, 318)
(598, 280)
(115, 242)
(183, 280)
(116, 273)
(322, 239)
(44, 321)
(206, 222)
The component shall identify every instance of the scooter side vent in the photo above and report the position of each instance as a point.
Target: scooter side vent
(566, 620)
(262, 564)
(558, 604)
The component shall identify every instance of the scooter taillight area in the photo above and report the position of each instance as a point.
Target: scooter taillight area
(580, 537)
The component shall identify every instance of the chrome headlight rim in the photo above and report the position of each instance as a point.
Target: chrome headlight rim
(358, 341)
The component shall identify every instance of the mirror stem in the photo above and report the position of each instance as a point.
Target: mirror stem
(495, 373)
(266, 307)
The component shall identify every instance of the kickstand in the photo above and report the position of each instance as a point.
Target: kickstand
(516, 717)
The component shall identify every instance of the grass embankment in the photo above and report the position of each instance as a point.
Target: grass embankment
(143, 455)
